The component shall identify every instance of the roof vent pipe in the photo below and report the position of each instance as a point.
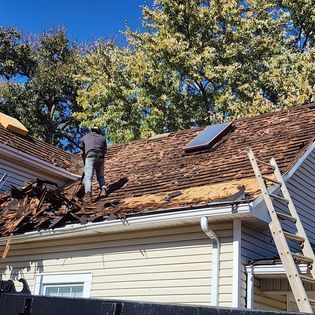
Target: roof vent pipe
(215, 260)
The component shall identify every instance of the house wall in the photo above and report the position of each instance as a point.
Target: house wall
(268, 301)
(18, 174)
(257, 243)
(302, 190)
(164, 265)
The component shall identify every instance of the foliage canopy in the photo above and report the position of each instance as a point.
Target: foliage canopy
(196, 62)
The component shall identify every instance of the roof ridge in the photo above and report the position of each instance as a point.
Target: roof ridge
(243, 119)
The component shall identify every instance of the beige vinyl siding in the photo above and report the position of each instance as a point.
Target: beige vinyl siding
(264, 301)
(243, 287)
(167, 265)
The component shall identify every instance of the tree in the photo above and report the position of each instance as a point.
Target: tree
(228, 56)
(201, 62)
(40, 89)
(108, 94)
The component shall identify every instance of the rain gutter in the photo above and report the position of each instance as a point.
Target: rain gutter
(158, 220)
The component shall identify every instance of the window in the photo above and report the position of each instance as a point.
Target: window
(208, 137)
(74, 285)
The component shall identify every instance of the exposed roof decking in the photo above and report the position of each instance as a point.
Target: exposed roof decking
(161, 166)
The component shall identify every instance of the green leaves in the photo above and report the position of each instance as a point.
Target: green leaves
(41, 90)
(196, 62)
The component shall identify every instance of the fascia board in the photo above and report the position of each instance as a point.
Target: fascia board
(174, 218)
(36, 163)
(259, 209)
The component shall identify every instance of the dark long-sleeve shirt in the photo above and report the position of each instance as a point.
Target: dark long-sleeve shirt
(93, 144)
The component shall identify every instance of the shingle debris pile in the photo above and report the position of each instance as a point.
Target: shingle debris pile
(41, 205)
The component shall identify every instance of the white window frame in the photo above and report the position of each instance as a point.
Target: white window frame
(63, 279)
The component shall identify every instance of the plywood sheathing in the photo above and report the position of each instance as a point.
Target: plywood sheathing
(195, 195)
(41, 205)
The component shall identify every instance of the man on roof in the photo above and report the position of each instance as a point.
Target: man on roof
(93, 146)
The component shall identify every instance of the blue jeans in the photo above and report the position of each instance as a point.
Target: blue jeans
(92, 164)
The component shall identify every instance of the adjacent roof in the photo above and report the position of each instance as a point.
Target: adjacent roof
(38, 149)
(151, 175)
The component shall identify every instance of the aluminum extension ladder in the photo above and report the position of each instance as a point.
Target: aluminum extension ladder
(280, 236)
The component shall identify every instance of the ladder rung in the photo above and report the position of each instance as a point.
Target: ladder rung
(294, 237)
(265, 163)
(279, 198)
(286, 217)
(308, 280)
(302, 258)
(311, 301)
(271, 180)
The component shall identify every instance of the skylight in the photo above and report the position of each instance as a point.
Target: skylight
(208, 137)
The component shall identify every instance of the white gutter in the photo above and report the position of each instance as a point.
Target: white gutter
(215, 260)
(270, 271)
(35, 163)
(166, 219)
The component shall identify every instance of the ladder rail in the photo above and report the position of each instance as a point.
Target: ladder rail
(307, 249)
(282, 246)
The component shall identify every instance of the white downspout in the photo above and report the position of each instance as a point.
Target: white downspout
(215, 260)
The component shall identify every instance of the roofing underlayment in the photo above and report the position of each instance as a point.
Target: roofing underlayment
(157, 174)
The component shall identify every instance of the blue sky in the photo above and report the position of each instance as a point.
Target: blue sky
(84, 20)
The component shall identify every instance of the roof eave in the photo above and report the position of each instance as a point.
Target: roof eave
(174, 218)
(259, 209)
(36, 163)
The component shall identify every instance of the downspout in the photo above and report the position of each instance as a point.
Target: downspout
(215, 260)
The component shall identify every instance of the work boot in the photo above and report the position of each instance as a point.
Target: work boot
(103, 192)
(87, 199)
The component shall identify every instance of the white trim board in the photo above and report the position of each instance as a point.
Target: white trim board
(270, 271)
(237, 245)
